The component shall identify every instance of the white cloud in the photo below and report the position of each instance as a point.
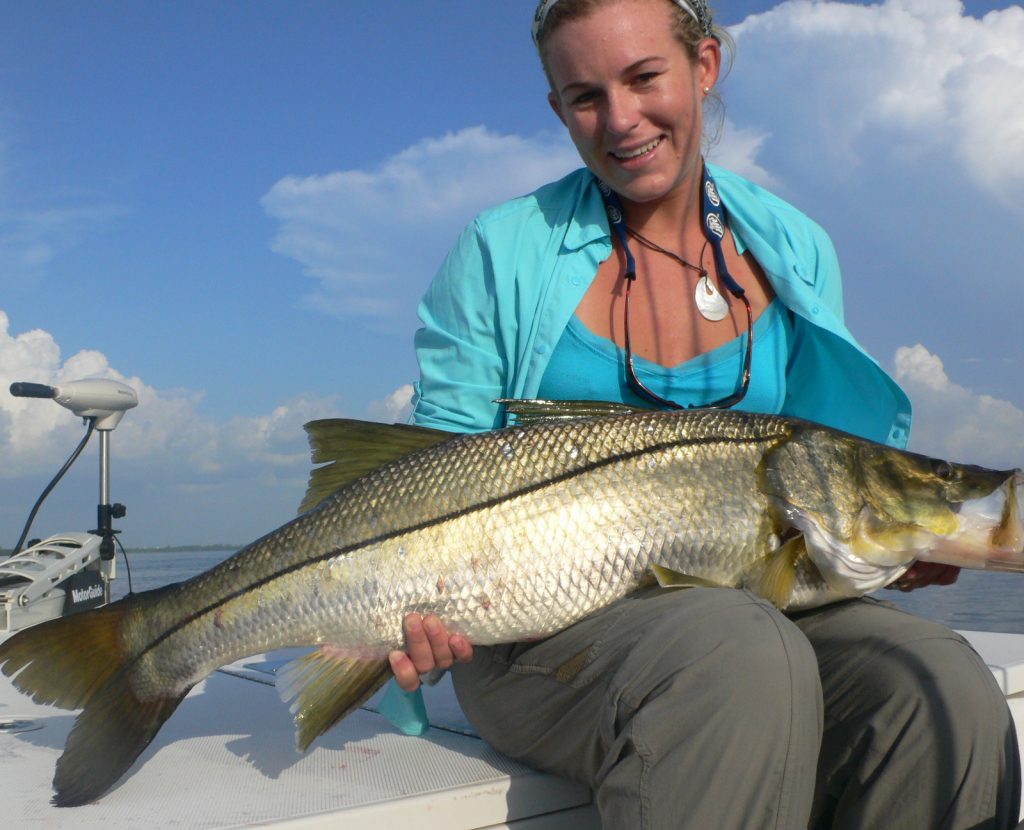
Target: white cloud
(395, 408)
(915, 76)
(737, 151)
(371, 236)
(953, 422)
(899, 127)
(167, 428)
(187, 477)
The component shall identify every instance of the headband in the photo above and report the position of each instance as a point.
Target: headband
(697, 9)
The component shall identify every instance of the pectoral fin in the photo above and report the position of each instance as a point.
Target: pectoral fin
(324, 686)
(779, 576)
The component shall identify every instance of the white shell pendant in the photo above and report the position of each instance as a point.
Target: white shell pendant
(711, 304)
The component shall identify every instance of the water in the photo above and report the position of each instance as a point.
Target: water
(978, 601)
(154, 570)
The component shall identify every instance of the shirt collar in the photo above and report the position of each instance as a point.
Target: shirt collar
(589, 223)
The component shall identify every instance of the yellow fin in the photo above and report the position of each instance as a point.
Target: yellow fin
(349, 449)
(668, 578)
(113, 729)
(324, 686)
(1009, 535)
(79, 662)
(64, 662)
(777, 580)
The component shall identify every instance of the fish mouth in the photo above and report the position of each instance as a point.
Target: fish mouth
(845, 571)
(991, 531)
(637, 152)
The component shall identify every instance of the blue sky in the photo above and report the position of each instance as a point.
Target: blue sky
(236, 206)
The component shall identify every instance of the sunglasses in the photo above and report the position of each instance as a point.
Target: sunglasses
(724, 403)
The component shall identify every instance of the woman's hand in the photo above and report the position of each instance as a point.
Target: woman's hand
(921, 574)
(428, 646)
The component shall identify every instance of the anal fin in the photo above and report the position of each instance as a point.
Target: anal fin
(668, 578)
(324, 686)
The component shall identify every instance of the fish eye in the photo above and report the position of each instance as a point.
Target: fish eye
(943, 469)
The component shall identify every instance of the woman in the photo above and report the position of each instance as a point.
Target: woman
(707, 707)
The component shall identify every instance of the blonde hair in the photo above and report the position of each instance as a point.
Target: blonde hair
(686, 28)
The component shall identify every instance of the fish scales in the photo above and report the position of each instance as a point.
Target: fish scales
(406, 537)
(510, 535)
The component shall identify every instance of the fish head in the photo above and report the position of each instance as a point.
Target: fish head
(934, 510)
(868, 511)
(989, 532)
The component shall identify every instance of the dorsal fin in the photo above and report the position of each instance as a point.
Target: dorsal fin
(348, 449)
(523, 412)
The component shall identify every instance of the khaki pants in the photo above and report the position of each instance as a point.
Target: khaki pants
(709, 709)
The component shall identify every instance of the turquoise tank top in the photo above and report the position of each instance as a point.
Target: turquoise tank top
(586, 366)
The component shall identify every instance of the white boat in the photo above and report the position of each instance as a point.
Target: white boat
(227, 758)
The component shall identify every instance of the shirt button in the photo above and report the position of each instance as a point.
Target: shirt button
(542, 348)
(815, 309)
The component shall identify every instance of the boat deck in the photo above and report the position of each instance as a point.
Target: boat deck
(227, 759)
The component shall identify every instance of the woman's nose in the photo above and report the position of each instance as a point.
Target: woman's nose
(623, 112)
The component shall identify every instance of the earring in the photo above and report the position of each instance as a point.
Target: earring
(707, 90)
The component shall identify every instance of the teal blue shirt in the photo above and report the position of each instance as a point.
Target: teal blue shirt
(505, 294)
(507, 290)
(586, 366)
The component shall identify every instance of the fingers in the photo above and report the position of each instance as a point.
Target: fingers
(922, 574)
(406, 676)
(428, 647)
(461, 648)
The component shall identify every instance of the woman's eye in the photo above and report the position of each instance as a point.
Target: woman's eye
(584, 98)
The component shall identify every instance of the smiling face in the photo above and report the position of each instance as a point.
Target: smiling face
(631, 98)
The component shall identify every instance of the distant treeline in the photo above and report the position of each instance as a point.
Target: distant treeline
(183, 548)
(6, 552)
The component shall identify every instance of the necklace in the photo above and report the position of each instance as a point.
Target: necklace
(709, 301)
(714, 231)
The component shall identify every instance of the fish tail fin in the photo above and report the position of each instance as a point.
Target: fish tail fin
(110, 733)
(80, 662)
(325, 685)
(65, 661)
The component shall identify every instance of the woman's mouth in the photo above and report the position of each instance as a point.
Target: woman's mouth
(629, 155)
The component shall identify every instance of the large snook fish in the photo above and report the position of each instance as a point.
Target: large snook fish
(509, 535)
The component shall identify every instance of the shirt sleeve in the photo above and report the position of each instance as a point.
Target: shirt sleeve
(828, 282)
(819, 267)
(829, 380)
(462, 362)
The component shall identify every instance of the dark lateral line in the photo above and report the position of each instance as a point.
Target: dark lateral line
(525, 491)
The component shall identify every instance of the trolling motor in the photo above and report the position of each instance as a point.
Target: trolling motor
(34, 575)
